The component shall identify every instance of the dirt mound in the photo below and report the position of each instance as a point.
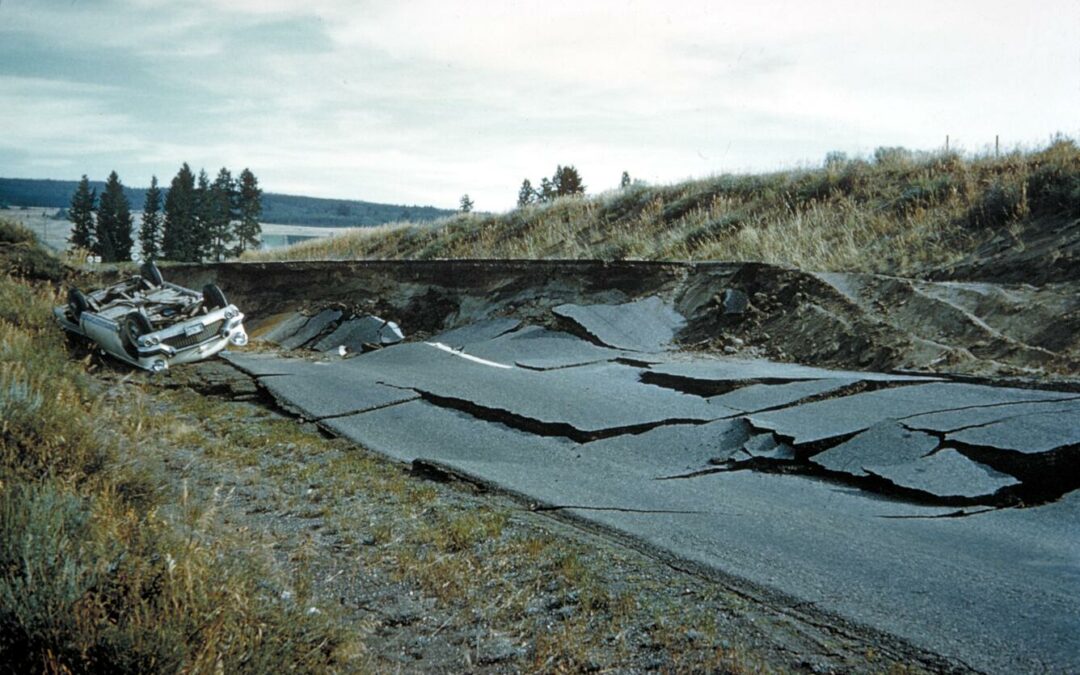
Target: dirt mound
(888, 323)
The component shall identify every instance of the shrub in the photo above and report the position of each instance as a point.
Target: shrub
(895, 156)
(925, 192)
(1054, 186)
(1001, 203)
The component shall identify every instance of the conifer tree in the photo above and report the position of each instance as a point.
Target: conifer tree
(567, 181)
(219, 201)
(150, 231)
(81, 215)
(203, 216)
(526, 195)
(179, 237)
(624, 182)
(114, 222)
(249, 203)
(466, 204)
(547, 190)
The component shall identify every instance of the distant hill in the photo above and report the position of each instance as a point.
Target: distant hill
(277, 208)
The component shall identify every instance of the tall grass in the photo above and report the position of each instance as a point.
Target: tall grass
(896, 213)
(92, 579)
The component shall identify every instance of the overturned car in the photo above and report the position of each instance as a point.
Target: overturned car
(153, 324)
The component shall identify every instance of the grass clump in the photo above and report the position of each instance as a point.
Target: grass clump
(897, 212)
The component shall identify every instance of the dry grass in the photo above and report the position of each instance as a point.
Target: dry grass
(895, 214)
(93, 576)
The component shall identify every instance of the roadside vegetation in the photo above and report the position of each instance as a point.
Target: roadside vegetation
(898, 212)
(93, 576)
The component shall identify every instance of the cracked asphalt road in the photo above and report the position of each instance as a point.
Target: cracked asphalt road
(942, 513)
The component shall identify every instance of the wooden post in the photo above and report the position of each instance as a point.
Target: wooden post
(946, 142)
(997, 146)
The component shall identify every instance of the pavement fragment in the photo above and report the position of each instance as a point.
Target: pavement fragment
(884, 444)
(646, 325)
(479, 331)
(312, 328)
(538, 348)
(358, 332)
(839, 417)
(285, 329)
(944, 474)
(1030, 434)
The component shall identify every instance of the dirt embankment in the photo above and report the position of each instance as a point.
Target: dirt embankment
(858, 321)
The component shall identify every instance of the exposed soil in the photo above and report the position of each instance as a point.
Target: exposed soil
(856, 321)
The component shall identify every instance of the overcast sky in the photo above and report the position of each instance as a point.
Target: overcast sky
(420, 102)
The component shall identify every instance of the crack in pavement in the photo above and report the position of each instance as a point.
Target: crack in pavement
(541, 428)
(960, 513)
(619, 509)
(1003, 404)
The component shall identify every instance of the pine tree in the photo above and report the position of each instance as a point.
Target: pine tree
(567, 181)
(203, 216)
(178, 240)
(526, 195)
(219, 211)
(624, 182)
(249, 203)
(150, 231)
(114, 222)
(547, 190)
(81, 215)
(466, 203)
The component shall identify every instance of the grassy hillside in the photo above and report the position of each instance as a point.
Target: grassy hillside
(277, 208)
(897, 213)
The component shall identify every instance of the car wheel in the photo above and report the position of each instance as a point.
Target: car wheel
(213, 298)
(136, 324)
(151, 273)
(77, 303)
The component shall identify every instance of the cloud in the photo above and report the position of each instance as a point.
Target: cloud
(423, 100)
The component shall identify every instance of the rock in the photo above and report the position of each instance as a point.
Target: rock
(734, 301)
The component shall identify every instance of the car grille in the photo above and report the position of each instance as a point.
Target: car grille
(182, 341)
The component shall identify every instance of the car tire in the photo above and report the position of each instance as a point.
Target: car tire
(213, 298)
(150, 272)
(136, 324)
(77, 303)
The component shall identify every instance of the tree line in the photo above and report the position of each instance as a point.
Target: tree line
(197, 220)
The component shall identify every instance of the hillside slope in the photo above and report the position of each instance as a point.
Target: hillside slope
(903, 213)
(277, 208)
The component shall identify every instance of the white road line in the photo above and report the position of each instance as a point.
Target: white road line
(470, 357)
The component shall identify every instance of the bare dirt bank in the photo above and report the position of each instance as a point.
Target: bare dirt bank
(859, 321)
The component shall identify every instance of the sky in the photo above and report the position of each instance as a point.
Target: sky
(422, 101)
